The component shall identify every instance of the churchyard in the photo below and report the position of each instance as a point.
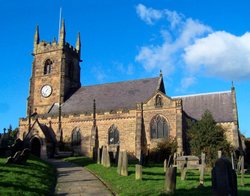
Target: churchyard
(153, 180)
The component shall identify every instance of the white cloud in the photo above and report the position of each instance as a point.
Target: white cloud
(165, 55)
(220, 54)
(128, 70)
(186, 83)
(193, 48)
(148, 15)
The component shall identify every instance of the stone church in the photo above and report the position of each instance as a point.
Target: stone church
(132, 115)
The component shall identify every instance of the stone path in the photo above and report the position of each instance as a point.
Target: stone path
(75, 180)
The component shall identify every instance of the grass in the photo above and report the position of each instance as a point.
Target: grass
(36, 177)
(153, 180)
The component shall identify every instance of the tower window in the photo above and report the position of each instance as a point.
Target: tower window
(76, 137)
(113, 135)
(159, 127)
(47, 67)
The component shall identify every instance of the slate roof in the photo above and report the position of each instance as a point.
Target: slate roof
(111, 96)
(219, 104)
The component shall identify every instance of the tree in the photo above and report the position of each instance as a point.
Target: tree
(208, 137)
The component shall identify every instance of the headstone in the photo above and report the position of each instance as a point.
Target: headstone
(165, 165)
(242, 172)
(184, 170)
(232, 160)
(124, 166)
(103, 159)
(239, 165)
(138, 172)
(175, 156)
(99, 155)
(224, 179)
(24, 156)
(202, 169)
(170, 180)
(119, 165)
(219, 154)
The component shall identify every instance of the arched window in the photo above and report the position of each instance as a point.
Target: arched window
(47, 67)
(113, 135)
(76, 137)
(158, 101)
(158, 127)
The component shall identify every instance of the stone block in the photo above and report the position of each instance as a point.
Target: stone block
(138, 172)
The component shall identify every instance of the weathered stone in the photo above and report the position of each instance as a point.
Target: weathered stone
(242, 172)
(124, 166)
(224, 179)
(202, 169)
(219, 154)
(99, 153)
(119, 165)
(184, 169)
(138, 172)
(165, 165)
(105, 157)
(170, 180)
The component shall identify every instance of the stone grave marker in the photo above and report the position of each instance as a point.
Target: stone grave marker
(242, 172)
(124, 166)
(219, 154)
(138, 172)
(224, 179)
(99, 155)
(170, 180)
(119, 165)
(184, 169)
(202, 168)
(165, 165)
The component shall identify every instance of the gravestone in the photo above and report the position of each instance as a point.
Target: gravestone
(184, 169)
(99, 155)
(219, 154)
(119, 165)
(242, 172)
(124, 166)
(165, 165)
(170, 180)
(138, 172)
(20, 157)
(105, 157)
(232, 160)
(224, 179)
(202, 168)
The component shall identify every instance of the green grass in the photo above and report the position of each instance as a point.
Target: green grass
(153, 180)
(36, 177)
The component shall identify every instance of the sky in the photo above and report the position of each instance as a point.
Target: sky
(200, 45)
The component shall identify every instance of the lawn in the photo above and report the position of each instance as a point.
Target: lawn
(153, 180)
(36, 177)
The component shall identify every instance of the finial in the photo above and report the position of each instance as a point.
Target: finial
(36, 38)
(160, 73)
(78, 43)
(232, 87)
(62, 34)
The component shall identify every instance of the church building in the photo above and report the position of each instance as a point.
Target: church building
(132, 115)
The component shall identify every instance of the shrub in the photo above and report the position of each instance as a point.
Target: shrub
(165, 147)
(208, 137)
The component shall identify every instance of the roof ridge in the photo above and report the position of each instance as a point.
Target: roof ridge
(120, 82)
(201, 94)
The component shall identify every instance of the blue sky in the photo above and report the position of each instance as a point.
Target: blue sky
(201, 46)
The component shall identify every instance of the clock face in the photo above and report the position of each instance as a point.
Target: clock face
(46, 90)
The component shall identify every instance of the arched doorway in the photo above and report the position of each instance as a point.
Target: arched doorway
(35, 146)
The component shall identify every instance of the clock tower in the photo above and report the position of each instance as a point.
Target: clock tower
(55, 72)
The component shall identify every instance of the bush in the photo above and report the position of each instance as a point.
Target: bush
(165, 147)
(208, 137)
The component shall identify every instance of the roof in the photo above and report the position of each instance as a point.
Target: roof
(219, 104)
(111, 96)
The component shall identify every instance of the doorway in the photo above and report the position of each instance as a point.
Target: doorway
(36, 147)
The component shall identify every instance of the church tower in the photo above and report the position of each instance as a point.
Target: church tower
(55, 72)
